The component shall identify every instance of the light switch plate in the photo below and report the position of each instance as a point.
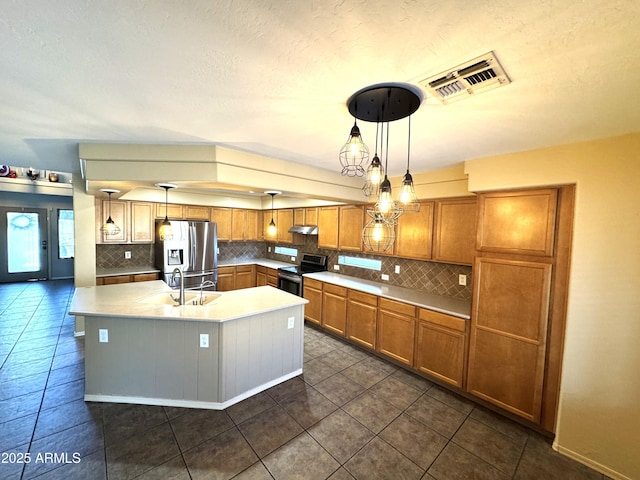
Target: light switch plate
(103, 335)
(398, 269)
(204, 340)
(462, 279)
(336, 267)
(127, 255)
(290, 322)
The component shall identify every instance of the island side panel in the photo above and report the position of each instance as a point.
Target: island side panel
(151, 359)
(259, 351)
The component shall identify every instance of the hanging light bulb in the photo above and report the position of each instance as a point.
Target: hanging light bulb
(165, 232)
(408, 200)
(272, 230)
(378, 234)
(385, 205)
(353, 154)
(109, 228)
(375, 173)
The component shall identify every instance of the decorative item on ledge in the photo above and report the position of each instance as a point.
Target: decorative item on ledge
(166, 230)
(272, 230)
(109, 228)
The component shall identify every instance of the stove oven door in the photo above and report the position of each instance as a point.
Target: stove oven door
(290, 282)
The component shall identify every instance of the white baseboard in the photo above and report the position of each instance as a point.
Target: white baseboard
(172, 402)
(589, 463)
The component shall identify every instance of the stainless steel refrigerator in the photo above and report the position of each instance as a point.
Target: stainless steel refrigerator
(194, 249)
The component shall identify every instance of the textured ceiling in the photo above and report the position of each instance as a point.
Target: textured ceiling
(273, 77)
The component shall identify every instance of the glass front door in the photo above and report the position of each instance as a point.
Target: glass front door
(23, 244)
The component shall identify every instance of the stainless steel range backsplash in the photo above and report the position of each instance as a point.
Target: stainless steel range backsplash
(432, 277)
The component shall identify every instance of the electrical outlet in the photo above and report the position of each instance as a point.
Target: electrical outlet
(218, 250)
(269, 249)
(398, 269)
(336, 267)
(127, 255)
(293, 259)
(103, 335)
(204, 340)
(385, 276)
(290, 322)
(462, 279)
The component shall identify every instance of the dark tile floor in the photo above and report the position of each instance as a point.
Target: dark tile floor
(351, 415)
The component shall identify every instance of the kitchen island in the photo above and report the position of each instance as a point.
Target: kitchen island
(140, 347)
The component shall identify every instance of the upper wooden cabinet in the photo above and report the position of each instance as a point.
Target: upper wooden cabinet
(328, 227)
(350, 223)
(135, 220)
(520, 222)
(311, 216)
(172, 210)
(223, 218)
(454, 237)
(244, 224)
(197, 212)
(414, 233)
(142, 225)
(509, 334)
(283, 224)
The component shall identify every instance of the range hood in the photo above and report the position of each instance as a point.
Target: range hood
(304, 229)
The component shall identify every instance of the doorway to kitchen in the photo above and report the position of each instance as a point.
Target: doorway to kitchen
(23, 244)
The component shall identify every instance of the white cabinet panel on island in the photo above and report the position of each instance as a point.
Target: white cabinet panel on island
(197, 356)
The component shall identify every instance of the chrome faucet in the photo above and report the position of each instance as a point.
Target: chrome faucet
(177, 270)
(203, 285)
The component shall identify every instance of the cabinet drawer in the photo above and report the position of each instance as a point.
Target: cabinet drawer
(145, 277)
(261, 269)
(362, 297)
(335, 289)
(227, 270)
(244, 268)
(397, 307)
(312, 283)
(454, 323)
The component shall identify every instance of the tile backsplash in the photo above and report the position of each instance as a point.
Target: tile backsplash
(112, 255)
(432, 277)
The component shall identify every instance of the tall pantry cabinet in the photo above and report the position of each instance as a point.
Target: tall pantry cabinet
(519, 300)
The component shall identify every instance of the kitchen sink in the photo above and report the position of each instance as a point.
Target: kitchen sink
(189, 298)
(165, 298)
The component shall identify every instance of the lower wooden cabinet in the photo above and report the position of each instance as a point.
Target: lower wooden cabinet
(441, 346)
(261, 276)
(362, 314)
(334, 308)
(117, 279)
(396, 330)
(272, 277)
(245, 276)
(509, 334)
(312, 291)
(226, 279)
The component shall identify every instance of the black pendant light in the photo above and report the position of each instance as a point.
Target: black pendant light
(354, 153)
(272, 230)
(109, 228)
(408, 200)
(166, 230)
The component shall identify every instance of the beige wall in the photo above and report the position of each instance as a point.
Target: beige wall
(599, 417)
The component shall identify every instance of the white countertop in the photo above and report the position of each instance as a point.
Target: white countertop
(447, 305)
(131, 300)
(263, 262)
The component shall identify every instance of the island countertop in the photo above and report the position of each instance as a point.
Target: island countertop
(136, 300)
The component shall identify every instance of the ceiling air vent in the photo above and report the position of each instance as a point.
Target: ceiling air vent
(475, 76)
